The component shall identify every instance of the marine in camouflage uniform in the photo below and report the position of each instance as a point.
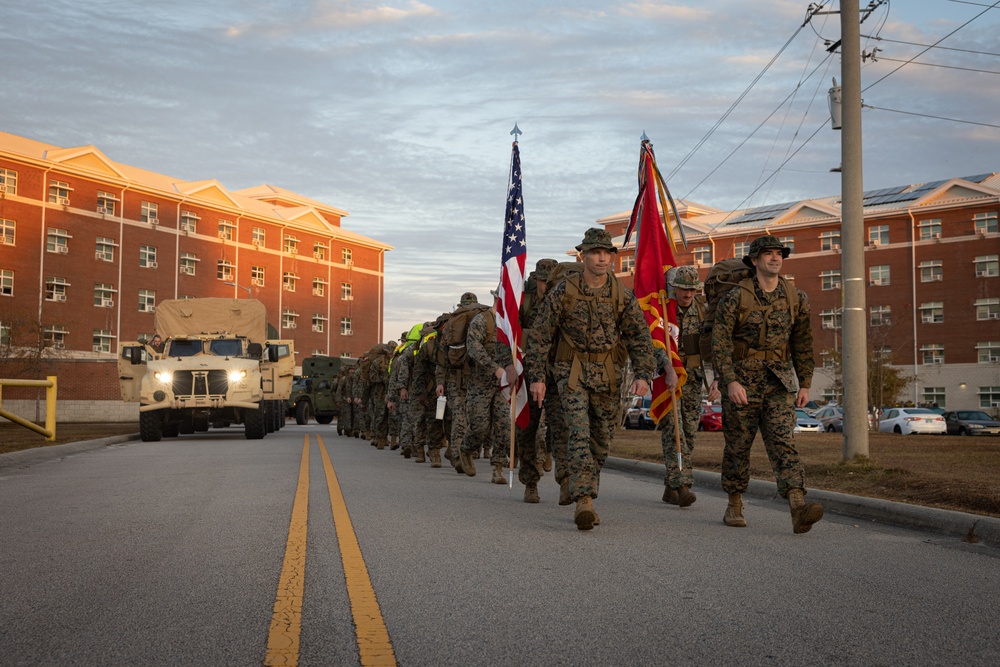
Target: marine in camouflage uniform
(453, 383)
(427, 431)
(392, 395)
(690, 314)
(344, 421)
(398, 393)
(378, 378)
(586, 328)
(359, 390)
(764, 360)
(487, 410)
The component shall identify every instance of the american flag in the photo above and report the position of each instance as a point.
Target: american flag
(511, 288)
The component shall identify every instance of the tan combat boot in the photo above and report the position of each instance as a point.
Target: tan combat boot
(406, 452)
(498, 477)
(468, 465)
(419, 453)
(734, 511)
(380, 444)
(564, 498)
(684, 497)
(584, 514)
(486, 452)
(531, 493)
(548, 462)
(435, 457)
(670, 495)
(804, 514)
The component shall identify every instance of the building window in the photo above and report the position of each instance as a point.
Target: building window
(319, 287)
(55, 288)
(878, 235)
(102, 340)
(829, 240)
(345, 327)
(148, 212)
(932, 353)
(57, 241)
(188, 263)
(59, 192)
(106, 202)
(830, 394)
(55, 337)
(347, 256)
(288, 319)
(8, 181)
(189, 222)
(224, 270)
(932, 312)
(988, 309)
(6, 282)
(291, 245)
(226, 230)
(627, 263)
(830, 280)
(880, 316)
(345, 355)
(105, 249)
(319, 251)
(989, 397)
(931, 271)
(7, 229)
(987, 266)
(703, 255)
(878, 275)
(288, 281)
(741, 248)
(934, 396)
(828, 359)
(929, 229)
(346, 292)
(988, 352)
(104, 295)
(789, 242)
(830, 319)
(985, 222)
(258, 237)
(4, 336)
(257, 276)
(147, 301)
(147, 256)
(318, 322)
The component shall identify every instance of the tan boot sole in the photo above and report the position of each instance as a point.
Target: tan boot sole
(807, 516)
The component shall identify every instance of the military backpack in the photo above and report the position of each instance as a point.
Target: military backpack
(452, 328)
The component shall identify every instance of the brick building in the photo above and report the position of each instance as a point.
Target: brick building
(931, 267)
(89, 246)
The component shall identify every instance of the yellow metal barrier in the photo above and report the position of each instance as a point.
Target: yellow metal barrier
(50, 405)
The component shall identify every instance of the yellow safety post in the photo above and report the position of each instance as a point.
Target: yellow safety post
(50, 406)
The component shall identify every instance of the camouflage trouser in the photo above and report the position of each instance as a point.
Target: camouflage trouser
(426, 430)
(590, 419)
(556, 433)
(393, 419)
(689, 417)
(345, 422)
(489, 421)
(458, 425)
(379, 414)
(525, 447)
(404, 423)
(771, 411)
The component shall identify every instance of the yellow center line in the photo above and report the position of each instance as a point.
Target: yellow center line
(286, 622)
(373, 638)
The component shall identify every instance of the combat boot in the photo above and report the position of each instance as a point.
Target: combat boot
(564, 498)
(597, 519)
(380, 444)
(684, 497)
(804, 514)
(419, 453)
(531, 493)
(486, 452)
(393, 443)
(734, 511)
(584, 515)
(498, 474)
(670, 495)
(548, 462)
(407, 452)
(468, 465)
(435, 457)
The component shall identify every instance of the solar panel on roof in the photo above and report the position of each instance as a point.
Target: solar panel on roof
(761, 213)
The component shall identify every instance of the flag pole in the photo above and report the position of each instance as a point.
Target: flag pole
(674, 403)
(513, 414)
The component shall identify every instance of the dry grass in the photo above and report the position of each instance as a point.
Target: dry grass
(950, 472)
(14, 438)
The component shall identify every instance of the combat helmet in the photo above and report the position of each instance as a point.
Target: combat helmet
(766, 242)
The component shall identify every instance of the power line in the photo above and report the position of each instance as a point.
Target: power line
(924, 115)
(943, 48)
(964, 69)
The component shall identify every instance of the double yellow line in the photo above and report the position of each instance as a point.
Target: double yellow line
(286, 622)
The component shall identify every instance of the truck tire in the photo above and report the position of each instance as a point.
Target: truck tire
(169, 430)
(266, 407)
(150, 426)
(253, 424)
(325, 419)
(302, 413)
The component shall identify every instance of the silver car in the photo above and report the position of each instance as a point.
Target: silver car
(806, 424)
(831, 417)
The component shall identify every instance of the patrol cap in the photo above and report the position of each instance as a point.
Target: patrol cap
(468, 299)
(684, 277)
(543, 269)
(766, 242)
(596, 237)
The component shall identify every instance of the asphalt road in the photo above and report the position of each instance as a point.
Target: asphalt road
(171, 553)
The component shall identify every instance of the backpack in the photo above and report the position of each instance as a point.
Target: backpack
(451, 328)
(724, 276)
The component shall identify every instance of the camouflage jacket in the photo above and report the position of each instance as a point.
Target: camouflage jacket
(689, 323)
(422, 380)
(399, 373)
(486, 355)
(784, 348)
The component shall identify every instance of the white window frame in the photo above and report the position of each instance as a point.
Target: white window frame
(55, 288)
(55, 336)
(989, 397)
(147, 256)
(346, 291)
(319, 287)
(932, 353)
(880, 275)
(189, 222)
(830, 280)
(347, 256)
(59, 192)
(985, 222)
(147, 301)
(928, 230)
(319, 251)
(987, 309)
(103, 340)
(878, 235)
(257, 276)
(290, 244)
(931, 271)
(289, 319)
(831, 319)
(188, 263)
(6, 282)
(149, 212)
(8, 181)
(935, 395)
(225, 270)
(829, 240)
(258, 236)
(104, 295)
(8, 231)
(880, 316)
(932, 312)
(227, 230)
(57, 241)
(104, 248)
(318, 322)
(107, 202)
(987, 266)
(289, 281)
(988, 352)
(346, 327)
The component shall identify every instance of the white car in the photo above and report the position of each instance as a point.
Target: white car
(806, 424)
(912, 420)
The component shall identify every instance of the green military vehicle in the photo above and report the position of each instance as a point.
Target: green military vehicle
(313, 394)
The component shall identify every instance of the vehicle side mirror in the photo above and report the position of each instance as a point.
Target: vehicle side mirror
(273, 353)
(135, 355)
(255, 349)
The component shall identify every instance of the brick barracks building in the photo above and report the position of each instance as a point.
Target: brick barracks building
(89, 246)
(931, 267)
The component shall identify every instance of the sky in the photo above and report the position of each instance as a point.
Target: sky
(399, 111)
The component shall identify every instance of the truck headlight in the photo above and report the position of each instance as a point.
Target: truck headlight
(163, 376)
(236, 376)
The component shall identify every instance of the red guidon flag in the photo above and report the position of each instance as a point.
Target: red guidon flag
(654, 256)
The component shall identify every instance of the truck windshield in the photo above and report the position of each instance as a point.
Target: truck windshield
(226, 348)
(184, 348)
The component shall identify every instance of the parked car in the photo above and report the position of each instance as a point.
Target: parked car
(806, 424)
(637, 415)
(971, 422)
(811, 407)
(711, 418)
(912, 420)
(831, 417)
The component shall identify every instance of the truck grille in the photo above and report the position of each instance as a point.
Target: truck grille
(200, 383)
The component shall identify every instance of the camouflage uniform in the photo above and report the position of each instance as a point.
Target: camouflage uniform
(485, 407)
(455, 383)
(378, 377)
(362, 413)
(399, 378)
(427, 431)
(345, 424)
(588, 396)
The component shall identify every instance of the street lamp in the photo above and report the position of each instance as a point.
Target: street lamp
(249, 294)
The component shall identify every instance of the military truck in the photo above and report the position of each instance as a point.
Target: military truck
(216, 368)
(314, 394)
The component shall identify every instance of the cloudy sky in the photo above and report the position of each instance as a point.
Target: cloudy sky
(399, 111)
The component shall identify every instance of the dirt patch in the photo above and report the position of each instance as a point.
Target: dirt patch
(14, 438)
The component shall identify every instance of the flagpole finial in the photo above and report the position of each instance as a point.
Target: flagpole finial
(644, 138)
(516, 132)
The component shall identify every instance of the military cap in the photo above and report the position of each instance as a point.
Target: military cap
(685, 277)
(766, 242)
(543, 269)
(468, 299)
(596, 237)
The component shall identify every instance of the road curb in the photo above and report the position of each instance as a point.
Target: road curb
(27, 457)
(930, 519)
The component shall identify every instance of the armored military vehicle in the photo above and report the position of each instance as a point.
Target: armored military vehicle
(314, 394)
